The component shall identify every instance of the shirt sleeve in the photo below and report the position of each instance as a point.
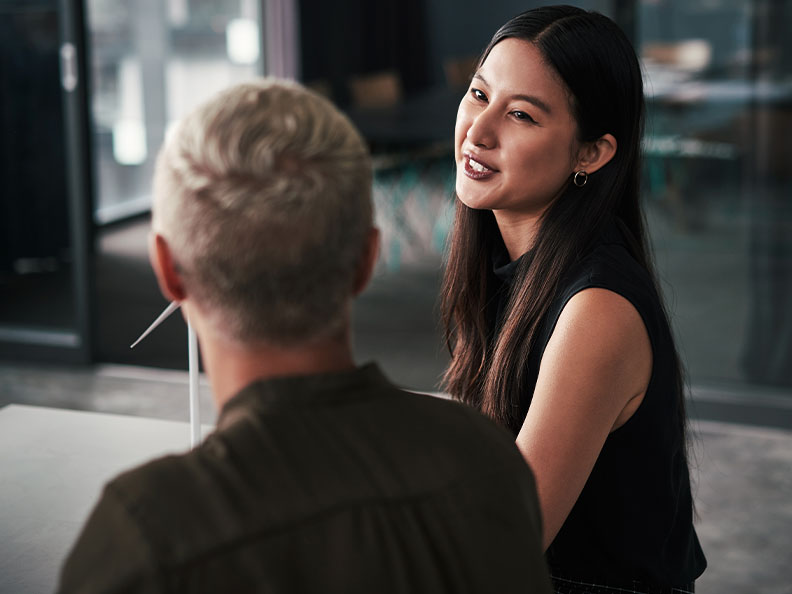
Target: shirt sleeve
(111, 555)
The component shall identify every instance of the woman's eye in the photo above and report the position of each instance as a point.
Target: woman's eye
(521, 115)
(477, 94)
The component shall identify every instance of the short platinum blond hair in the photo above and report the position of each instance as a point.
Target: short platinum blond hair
(264, 196)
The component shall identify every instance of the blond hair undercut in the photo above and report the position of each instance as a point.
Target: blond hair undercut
(264, 195)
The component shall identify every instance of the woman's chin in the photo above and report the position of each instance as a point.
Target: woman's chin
(469, 198)
(473, 201)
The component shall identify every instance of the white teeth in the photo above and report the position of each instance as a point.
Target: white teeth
(476, 166)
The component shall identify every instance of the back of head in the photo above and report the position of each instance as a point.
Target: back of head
(264, 197)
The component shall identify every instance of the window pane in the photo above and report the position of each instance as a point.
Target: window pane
(152, 63)
(718, 181)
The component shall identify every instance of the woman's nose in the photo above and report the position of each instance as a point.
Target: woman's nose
(482, 132)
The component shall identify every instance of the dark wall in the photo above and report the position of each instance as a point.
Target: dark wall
(413, 37)
(344, 38)
(461, 28)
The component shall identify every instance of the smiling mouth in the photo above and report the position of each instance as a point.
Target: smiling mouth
(477, 170)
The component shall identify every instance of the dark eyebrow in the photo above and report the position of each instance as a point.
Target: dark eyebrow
(528, 98)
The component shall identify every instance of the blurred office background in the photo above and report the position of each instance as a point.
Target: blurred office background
(90, 89)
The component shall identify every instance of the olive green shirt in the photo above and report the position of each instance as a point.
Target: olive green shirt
(329, 483)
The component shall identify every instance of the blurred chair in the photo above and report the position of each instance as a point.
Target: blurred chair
(459, 71)
(688, 55)
(376, 91)
(322, 87)
(669, 149)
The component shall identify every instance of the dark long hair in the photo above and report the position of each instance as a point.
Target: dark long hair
(598, 65)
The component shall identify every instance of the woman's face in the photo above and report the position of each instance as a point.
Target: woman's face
(515, 138)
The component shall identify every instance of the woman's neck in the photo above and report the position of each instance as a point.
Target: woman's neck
(517, 230)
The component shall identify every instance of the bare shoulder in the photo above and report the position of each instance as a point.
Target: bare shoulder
(603, 334)
(600, 350)
(601, 311)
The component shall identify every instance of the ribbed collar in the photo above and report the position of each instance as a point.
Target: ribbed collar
(297, 391)
(505, 269)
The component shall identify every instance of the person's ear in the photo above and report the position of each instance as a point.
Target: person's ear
(368, 261)
(168, 278)
(595, 155)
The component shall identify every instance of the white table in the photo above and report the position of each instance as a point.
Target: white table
(53, 464)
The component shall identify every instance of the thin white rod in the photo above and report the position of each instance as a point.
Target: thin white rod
(195, 409)
(172, 306)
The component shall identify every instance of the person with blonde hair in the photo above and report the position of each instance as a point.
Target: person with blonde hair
(321, 476)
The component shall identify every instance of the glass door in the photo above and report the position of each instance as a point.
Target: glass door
(45, 200)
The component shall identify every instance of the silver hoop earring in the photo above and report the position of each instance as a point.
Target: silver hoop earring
(580, 179)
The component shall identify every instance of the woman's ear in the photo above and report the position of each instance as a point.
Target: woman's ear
(168, 277)
(595, 155)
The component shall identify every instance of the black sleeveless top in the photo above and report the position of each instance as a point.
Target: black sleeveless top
(633, 519)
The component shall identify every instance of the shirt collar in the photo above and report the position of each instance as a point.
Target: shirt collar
(296, 391)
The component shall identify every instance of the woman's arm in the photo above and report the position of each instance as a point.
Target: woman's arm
(592, 378)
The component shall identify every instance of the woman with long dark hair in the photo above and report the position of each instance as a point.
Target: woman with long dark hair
(551, 305)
